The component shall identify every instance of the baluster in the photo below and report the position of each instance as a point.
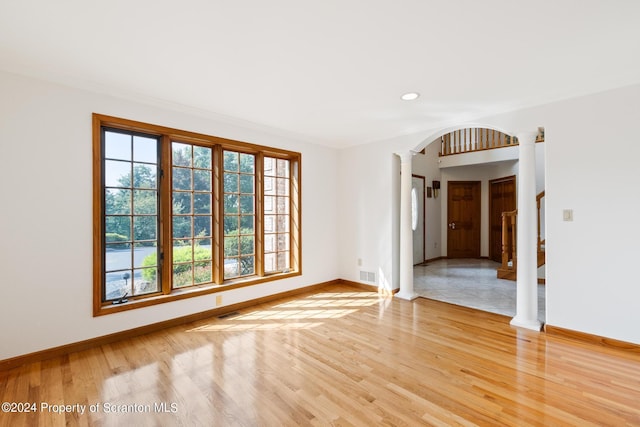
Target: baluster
(464, 144)
(476, 138)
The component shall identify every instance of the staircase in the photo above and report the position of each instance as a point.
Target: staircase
(508, 269)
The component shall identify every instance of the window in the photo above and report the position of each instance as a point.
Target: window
(179, 214)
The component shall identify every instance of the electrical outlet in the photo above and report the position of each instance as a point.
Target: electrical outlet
(567, 215)
(218, 300)
(359, 262)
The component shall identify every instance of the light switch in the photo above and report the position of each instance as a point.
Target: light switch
(567, 215)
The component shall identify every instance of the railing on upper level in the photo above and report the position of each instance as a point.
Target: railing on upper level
(474, 139)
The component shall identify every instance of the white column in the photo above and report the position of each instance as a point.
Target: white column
(527, 267)
(406, 234)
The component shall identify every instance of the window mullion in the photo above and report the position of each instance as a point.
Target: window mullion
(218, 220)
(166, 240)
(259, 212)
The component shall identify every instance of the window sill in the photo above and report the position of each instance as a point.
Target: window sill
(190, 292)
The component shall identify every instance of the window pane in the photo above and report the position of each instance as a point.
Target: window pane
(182, 227)
(181, 203)
(282, 205)
(230, 160)
(182, 254)
(145, 202)
(231, 203)
(202, 226)
(246, 245)
(283, 242)
(182, 179)
(117, 146)
(247, 265)
(145, 281)
(282, 186)
(118, 283)
(269, 186)
(282, 167)
(202, 203)
(247, 163)
(201, 253)
(202, 157)
(144, 176)
(144, 227)
(202, 272)
(231, 246)
(269, 166)
(231, 268)
(269, 223)
(246, 204)
(270, 242)
(283, 223)
(246, 184)
(181, 154)
(204, 243)
(283, 261)
(118, 258)
(117, 174)
(117, 202)
(231, 183)
(202, 180)
(269, 263)
(145, 149)
(230, 224)
(146, 255)
(182, 275)
(246, 224)
(120, 225)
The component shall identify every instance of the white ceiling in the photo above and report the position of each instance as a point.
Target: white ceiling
(329, 71)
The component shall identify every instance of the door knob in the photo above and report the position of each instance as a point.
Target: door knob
(452, 226)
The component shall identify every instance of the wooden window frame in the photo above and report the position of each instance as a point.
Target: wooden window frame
(167, 293)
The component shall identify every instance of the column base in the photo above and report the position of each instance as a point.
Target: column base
(534, 325)
(409, 296)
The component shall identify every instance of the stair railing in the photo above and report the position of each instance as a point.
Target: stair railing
(509, 246)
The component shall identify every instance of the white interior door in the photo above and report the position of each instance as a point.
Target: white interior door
(417, 218)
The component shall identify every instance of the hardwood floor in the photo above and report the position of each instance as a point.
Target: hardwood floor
(339, 356)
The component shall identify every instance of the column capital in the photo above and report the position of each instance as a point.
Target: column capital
(527, 137)
(405, 156)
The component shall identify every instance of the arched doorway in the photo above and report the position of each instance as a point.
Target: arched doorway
(524, 298)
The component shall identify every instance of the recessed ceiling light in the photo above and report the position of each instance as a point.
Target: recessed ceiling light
(410, 96)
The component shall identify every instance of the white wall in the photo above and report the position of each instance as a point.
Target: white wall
(368, 226)
(46, 214)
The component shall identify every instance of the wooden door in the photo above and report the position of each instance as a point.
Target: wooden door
(502, 198)
(463, 219)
